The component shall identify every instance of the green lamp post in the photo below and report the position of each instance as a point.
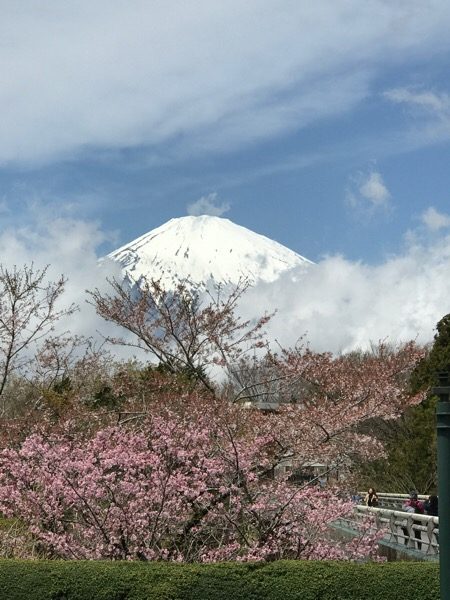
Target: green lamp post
(443, 451)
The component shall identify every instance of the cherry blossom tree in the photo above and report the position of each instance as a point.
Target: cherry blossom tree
(190, 478)
(187, 485)
(321, 401)
(197, 473)
(28, 313)
(183, 331)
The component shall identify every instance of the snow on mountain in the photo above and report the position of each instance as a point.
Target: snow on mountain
(202, 249)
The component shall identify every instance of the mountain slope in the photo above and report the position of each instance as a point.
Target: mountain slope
(202, 249)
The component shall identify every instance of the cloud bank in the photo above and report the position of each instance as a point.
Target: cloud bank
(68, 247)
(341, 305)
(199, 76)
(338, 305)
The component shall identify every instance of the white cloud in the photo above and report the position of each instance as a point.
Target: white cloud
(374, 190)
(341, 305)
(368, 190)
(437, 103)
(69, 247)
(206, 75)
(428, 112)
(208, 205)
(435, 220)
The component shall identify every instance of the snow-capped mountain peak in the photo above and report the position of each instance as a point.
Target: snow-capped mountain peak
(202, 249)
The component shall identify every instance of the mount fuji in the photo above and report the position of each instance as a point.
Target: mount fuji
(204, 250)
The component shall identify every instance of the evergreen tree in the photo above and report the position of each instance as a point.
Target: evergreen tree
(438, 359)
(410, 444)
(410, 441)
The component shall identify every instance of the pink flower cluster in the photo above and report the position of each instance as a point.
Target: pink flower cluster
(182, 487)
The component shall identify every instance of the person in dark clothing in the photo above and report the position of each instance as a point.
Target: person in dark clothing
(431, 506)
(431, 509)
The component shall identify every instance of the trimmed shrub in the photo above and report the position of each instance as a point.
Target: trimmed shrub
(283, 580)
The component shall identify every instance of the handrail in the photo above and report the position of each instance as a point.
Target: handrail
(391, 500)
(412, 531)
(395, 495)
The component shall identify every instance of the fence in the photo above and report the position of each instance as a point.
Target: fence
(394, 501)
(412, 532)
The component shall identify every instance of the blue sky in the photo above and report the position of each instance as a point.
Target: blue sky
(128, 114)
(325, 126)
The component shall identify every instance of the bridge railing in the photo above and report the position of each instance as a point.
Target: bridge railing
(413, 531)
(392, 500)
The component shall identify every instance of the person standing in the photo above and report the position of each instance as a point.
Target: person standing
(431, 506)
(371, 498)
(413, 505)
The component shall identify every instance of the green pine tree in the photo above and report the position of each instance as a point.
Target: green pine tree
(410, 441)
(438, 359)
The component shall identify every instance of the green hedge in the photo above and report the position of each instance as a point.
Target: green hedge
(283, 580)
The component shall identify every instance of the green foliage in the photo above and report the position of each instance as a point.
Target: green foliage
(105, 398)
(186, 378)
(438, 359)
(16, 541)
(283, 580)
(410, 441)
(6, 523)
(410, 444)
(63, 386)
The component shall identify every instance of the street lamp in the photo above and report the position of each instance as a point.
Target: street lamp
(443, 451)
